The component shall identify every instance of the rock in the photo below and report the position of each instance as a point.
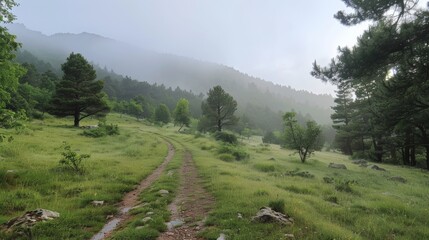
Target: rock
(10, 171)
(398, 179)
(221, 237)
(239, 216)
(146, 219)
(174, 223)
(375, 167)
(163, 192)
(337, 166)
(149, 213)
(170, 173)
(30, 218)
(139, 227)
(359, 162)
(266, 214)
(109, 217)
(97, 203)
(289, 236)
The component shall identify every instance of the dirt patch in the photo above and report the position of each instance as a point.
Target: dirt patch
(131, 198)
(191, 204)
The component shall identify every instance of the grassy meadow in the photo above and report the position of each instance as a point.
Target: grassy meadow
(326, 203)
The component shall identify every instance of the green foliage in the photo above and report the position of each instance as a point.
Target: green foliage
(162, 114)
(218, 109)
(264, 167)
(226, 157)
(277, 205)
(303, 140)
(237, 152)
(102, 129)
(270, 137)
(181, 113)
(78, 80)
(10, 71)
(344, 186)
(72, 160)
(226, 137)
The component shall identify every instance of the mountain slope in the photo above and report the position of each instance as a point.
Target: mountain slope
(173, 71)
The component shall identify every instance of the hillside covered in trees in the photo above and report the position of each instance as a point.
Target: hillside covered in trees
(257, 98)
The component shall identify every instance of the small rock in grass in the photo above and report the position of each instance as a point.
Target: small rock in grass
(398, 179)
(97, 203)
(359, 162)
(266, 214)
(337, 166)
(221, 237)
(239, 216)
(30, 218)
(375, 167)
(146, 219)
(163, 192)
(149, 213)
(109, 217)
(289, 236)
(170, 173)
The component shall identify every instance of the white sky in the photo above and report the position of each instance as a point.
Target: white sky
(273, 40)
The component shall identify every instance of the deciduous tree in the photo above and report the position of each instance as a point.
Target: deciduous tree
(182, 114)
(305, 140)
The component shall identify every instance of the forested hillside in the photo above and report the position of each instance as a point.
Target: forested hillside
(252, 94)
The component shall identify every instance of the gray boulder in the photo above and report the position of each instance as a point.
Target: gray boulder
(375, 167)
(266, 215)
(398, 179)
(337, 166)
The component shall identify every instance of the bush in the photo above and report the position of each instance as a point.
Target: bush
(226, 137)
(71, 160)
(238, 153)
(102, 130)
(265, 167)
(344, 186)
(277, 205)
(226, 157)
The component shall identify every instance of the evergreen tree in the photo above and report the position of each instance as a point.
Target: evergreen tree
(342, 118)
(78, 94)
(219, 108)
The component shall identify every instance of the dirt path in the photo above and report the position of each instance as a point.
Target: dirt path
(190, 206)
(131, 198)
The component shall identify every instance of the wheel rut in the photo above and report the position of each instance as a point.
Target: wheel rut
(131, 198)
(191, 205)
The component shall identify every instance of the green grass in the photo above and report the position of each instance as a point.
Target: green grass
(326, 203)
(360, 203)
(116, 165)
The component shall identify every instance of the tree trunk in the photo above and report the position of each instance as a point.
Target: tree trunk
(76, 118)
(427, 157)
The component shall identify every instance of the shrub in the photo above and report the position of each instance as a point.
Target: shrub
(277, 205)
(102, 130)
(344, 186)
(235, 151)
(226, 137)
(226, 157)
(71, 160)
(265, 167)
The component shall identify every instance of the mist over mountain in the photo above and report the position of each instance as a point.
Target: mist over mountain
(174, 71)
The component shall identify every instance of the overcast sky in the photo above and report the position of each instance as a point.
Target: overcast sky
(276, 40)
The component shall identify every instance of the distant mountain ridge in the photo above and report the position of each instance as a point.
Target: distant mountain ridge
(173, 71)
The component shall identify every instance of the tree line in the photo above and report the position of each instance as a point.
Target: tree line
(382, 102)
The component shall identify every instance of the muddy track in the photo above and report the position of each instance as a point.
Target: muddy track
(131, 198)
(191, 205)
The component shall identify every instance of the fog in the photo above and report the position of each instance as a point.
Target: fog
(273, 40)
